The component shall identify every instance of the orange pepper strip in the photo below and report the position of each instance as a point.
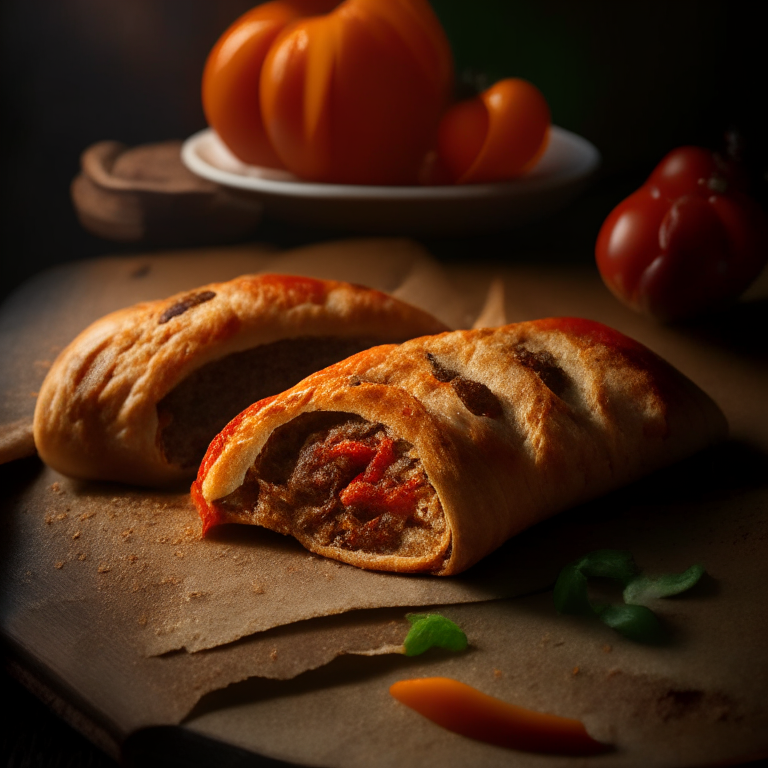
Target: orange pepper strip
(465, 710)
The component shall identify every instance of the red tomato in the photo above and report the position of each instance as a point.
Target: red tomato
(689, 240)
(351, 96)
(497, 135)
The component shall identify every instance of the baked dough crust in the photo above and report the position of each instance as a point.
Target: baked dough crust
(573, 409)
(97, 416)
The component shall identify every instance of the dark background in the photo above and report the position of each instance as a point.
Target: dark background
(636, 79)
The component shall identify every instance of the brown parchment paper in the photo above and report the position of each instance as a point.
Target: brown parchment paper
(143, 552)
(96, 579)
(692, 703)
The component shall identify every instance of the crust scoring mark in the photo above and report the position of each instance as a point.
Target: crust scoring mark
(478, 399)
(543, 364)
(187, 302)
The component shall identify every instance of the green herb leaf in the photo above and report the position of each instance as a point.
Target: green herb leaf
(644, 588)
(632, 619)
(570, 593)
(614, 564)
(635, 622)
(429, 630)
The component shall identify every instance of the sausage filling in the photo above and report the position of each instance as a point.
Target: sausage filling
(199, 407)
(337, 480)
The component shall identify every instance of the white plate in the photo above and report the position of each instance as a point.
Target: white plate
(445, 210)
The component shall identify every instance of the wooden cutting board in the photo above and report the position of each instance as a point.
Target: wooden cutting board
(88, 630)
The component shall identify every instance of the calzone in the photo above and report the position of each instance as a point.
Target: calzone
(425, 457)
(138, 396)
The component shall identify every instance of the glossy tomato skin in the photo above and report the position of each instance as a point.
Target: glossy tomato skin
(496, 136)
(347, 92)
(688, 241)
(231, 82)
(355, 96)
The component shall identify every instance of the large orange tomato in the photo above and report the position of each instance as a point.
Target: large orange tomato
(231, 78)
(348, 92)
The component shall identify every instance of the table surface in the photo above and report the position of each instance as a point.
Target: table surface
(537, 284)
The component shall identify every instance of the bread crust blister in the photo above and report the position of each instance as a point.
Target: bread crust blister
(105, 409)
(510, 426)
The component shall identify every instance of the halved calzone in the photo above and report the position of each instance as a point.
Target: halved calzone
(138, 396)
(429, 455)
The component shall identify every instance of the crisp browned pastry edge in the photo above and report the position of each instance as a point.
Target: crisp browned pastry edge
(96, 413)
(580, 410)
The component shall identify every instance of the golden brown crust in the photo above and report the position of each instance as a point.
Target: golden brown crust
(96, 414)
(511, 426)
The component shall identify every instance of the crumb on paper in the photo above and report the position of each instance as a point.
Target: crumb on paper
(86, 515)
(142, 621)
(59, 564)
(132, 558)
(127, 532)
(141, 271)
(48, 519)
(178, 553)
(675, 704)
(575, 671)
(76, 535)
(195, 594)
(273, 654)
(33, 393)
(257, 588)
(174, 580)
(56, 487)
(62, 516)
(103, 568)
(498, 674)
(82, 556)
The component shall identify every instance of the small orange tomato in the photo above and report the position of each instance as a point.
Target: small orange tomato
(497, 135)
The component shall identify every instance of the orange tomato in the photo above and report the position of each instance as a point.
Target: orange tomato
(231, 82)
(353, 95)
(497, 135)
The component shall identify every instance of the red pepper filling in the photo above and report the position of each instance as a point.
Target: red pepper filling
(340, 481)
(371, 489)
